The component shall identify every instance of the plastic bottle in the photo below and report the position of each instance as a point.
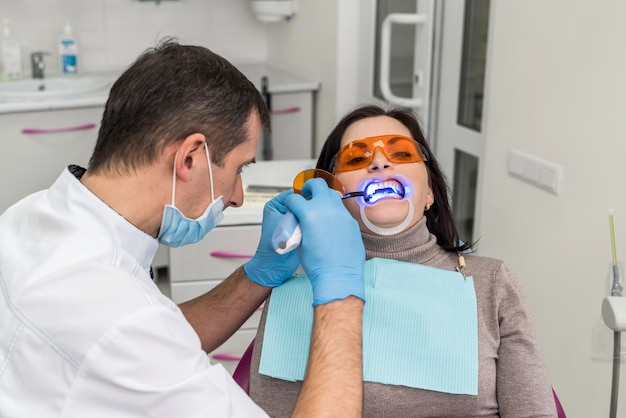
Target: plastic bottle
(68, 52)
(10, 54)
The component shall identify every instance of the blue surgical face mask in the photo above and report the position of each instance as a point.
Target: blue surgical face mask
(177, 229)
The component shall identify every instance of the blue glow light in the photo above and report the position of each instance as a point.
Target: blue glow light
(375, 190)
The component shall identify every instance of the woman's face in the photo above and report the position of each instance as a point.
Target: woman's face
(386, 213)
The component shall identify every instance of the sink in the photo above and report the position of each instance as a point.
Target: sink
(55, 87)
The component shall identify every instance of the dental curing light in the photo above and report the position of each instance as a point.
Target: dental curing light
(288, 235)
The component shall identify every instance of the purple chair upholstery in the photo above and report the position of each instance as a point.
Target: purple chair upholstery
(242, 372)
(559, 407)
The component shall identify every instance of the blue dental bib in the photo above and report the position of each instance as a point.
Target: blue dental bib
(420, 328)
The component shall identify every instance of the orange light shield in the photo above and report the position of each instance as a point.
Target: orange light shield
(303, 176)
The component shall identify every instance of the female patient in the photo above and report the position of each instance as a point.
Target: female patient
(405, 217)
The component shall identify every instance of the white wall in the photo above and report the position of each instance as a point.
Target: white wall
(113, 32)
(327, 40)
(558, 91)
(308, 44)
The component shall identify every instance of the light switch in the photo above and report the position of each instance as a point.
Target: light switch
(541, 173)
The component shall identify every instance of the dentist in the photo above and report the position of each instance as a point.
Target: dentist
(85, 332)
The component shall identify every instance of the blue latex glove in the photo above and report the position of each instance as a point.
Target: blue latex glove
(332, 252)
(266, 267)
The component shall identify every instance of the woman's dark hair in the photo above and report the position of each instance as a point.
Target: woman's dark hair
(170, 92)
(439, 218)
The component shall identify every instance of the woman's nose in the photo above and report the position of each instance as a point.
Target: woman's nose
(379, 161)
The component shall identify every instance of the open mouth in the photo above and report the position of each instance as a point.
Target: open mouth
(379, 190)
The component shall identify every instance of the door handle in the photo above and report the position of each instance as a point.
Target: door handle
(228, 254)
(84, 127)
(225, 357)
(287, 110)
(385, 55)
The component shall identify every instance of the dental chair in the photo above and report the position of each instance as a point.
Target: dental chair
(242, 377)
(242, 371)
(559, 409)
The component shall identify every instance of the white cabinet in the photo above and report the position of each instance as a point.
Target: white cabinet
(35, 146)
(216, 256)
(195, 269)
(292, 126)
(291, 99)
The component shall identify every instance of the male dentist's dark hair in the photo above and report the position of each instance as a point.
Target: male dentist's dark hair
(170, 92)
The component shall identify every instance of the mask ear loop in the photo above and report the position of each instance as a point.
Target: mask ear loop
(206, 150)
(174, 179)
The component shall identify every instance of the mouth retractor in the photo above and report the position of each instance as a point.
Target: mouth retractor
(375, 190)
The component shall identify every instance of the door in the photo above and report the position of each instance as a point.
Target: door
(398, 63)
(430, 56)
(460, 126)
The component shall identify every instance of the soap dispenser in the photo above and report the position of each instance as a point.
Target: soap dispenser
(10, 54)
(68, 52)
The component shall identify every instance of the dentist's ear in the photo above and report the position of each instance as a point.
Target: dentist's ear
(190, 156)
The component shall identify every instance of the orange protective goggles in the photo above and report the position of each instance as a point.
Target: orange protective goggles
(358, 154)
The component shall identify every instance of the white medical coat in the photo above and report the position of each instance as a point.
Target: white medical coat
(84, 331)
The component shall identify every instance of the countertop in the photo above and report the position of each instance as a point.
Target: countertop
(280, 80)
(91, 99)
(273, 176)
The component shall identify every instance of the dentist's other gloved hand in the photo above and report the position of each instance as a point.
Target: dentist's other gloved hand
(267, 267)
(332, 252)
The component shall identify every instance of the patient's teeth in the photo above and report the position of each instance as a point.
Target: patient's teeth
(389, 189)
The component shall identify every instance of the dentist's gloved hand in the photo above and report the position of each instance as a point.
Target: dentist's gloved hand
(332, 252)
(267, 267)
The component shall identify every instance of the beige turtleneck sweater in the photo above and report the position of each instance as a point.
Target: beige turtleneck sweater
(513, 380)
